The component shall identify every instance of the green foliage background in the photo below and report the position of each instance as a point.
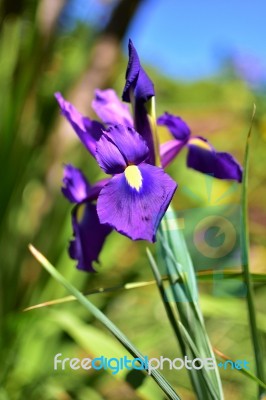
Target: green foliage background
(32, 210)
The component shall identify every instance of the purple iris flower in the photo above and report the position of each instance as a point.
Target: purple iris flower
(136, 196)
(201, 154)
(134, 200)
(89, 233)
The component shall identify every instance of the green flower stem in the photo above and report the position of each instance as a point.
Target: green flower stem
(151, 106)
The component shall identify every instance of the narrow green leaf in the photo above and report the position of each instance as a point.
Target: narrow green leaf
(166, 301)
(245, 261)
(242, 370)
(175, 262)
(158, 378)
(193, 350)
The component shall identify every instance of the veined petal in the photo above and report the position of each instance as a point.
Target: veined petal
(137, 81)
(134, 202)
(169, 150)
(110, 108)
(109, 157)
(89, 236)
(203, 157)
(76, 185)
(118, 147)
(87, 130)
(179, 129)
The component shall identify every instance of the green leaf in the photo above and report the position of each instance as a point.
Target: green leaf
(158, 378)
(174, 261)
(245, 261)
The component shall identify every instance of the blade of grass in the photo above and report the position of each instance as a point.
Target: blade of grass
(174, 259)
(196, 355)
(174, 255)
(127, 286)
(195, 378)
(243, 371)
(165, 300)
(204, 276)
(158, 378)
(246, 270)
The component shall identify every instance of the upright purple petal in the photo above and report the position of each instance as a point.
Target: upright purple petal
(87, 130)
(137, 81)
(179, 129)
(118, 147)
(89, 236)
(135, 201)
(109, 157)
(169, 150)
(110, 108)
(203, 157)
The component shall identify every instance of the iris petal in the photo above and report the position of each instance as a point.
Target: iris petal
(87, 130)
(118, 147)
(137, 81)
(109, 157)
(76, 185)
(110, 108)
(134, 206)
(89, 236)
(169, 150)
(203, 157)
(179, 129)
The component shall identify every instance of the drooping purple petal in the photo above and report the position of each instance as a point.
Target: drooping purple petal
(169, 150)
(110, 108)
(87, 130)
(179, 129)
(89, 236)
(135, 201)
(203, 157)
(137, 81)
(118, 147)
(76, 187)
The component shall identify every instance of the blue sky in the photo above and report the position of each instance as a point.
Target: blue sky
(189, 38)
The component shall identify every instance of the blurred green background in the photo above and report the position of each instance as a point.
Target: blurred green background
(43, 50)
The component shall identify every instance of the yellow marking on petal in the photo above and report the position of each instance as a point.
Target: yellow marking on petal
(133, 177)
(200, 143)
(80, 212)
